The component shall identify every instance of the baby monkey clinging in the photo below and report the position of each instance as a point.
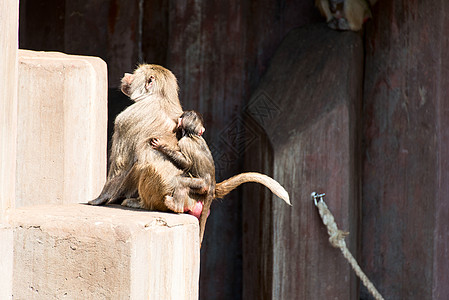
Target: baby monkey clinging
(195, 159)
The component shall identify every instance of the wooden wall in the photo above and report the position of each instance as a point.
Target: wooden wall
(405, 240)
(308, 139)
(220, 51)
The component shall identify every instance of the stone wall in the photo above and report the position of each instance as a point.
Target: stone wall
(62, 117)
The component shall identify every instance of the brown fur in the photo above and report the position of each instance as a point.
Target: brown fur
(195, 158)
(345, 14)
(154, 114)
(147, 178)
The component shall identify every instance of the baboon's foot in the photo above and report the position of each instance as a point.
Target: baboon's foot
(132, 202)
(101, 200)
(176, 206)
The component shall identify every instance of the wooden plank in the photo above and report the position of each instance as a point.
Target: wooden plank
(307, 108)
(405, 207)
(213, 82)
(108, 29)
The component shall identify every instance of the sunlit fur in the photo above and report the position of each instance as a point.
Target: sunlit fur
(195, 159)
(345, 14)
(154, 114)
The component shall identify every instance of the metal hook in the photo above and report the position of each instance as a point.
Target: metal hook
(315, 196)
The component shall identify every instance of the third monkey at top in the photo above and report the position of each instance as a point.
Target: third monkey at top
(345, 14)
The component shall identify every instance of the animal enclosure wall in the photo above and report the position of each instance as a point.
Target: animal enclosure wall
(219, 52)
(316, 148)
(405, 175)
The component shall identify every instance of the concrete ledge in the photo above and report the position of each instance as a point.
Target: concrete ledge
(6, 259)
(62, 120)
(85, 252)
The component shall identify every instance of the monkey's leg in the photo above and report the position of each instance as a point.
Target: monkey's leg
(180, 201)
(343, 24)
(108, 191)
(132, 202)
(333, 24)
(118, 198)
(196, 185)
(176, 157)
(175, 203)
(204, 216)
(125, 186)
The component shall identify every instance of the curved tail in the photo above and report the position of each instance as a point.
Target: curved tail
(223, 188)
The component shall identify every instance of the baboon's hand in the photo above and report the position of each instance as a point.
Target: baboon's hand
(155, 143)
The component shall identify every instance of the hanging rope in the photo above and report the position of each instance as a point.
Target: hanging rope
(337, 240)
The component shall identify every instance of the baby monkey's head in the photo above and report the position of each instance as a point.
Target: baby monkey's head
(191, 123)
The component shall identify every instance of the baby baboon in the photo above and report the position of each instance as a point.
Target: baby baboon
(195, 159)
(155, 112)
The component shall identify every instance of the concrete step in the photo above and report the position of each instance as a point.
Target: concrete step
(76, 251)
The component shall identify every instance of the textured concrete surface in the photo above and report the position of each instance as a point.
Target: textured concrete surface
(61, 143)
(306, 135)
(9, 14)
(6, 261)
(78, 251)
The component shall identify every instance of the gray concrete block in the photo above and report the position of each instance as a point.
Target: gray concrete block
(78, 251)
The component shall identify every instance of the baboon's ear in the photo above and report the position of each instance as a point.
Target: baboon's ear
(149, 83)
(126, 83)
